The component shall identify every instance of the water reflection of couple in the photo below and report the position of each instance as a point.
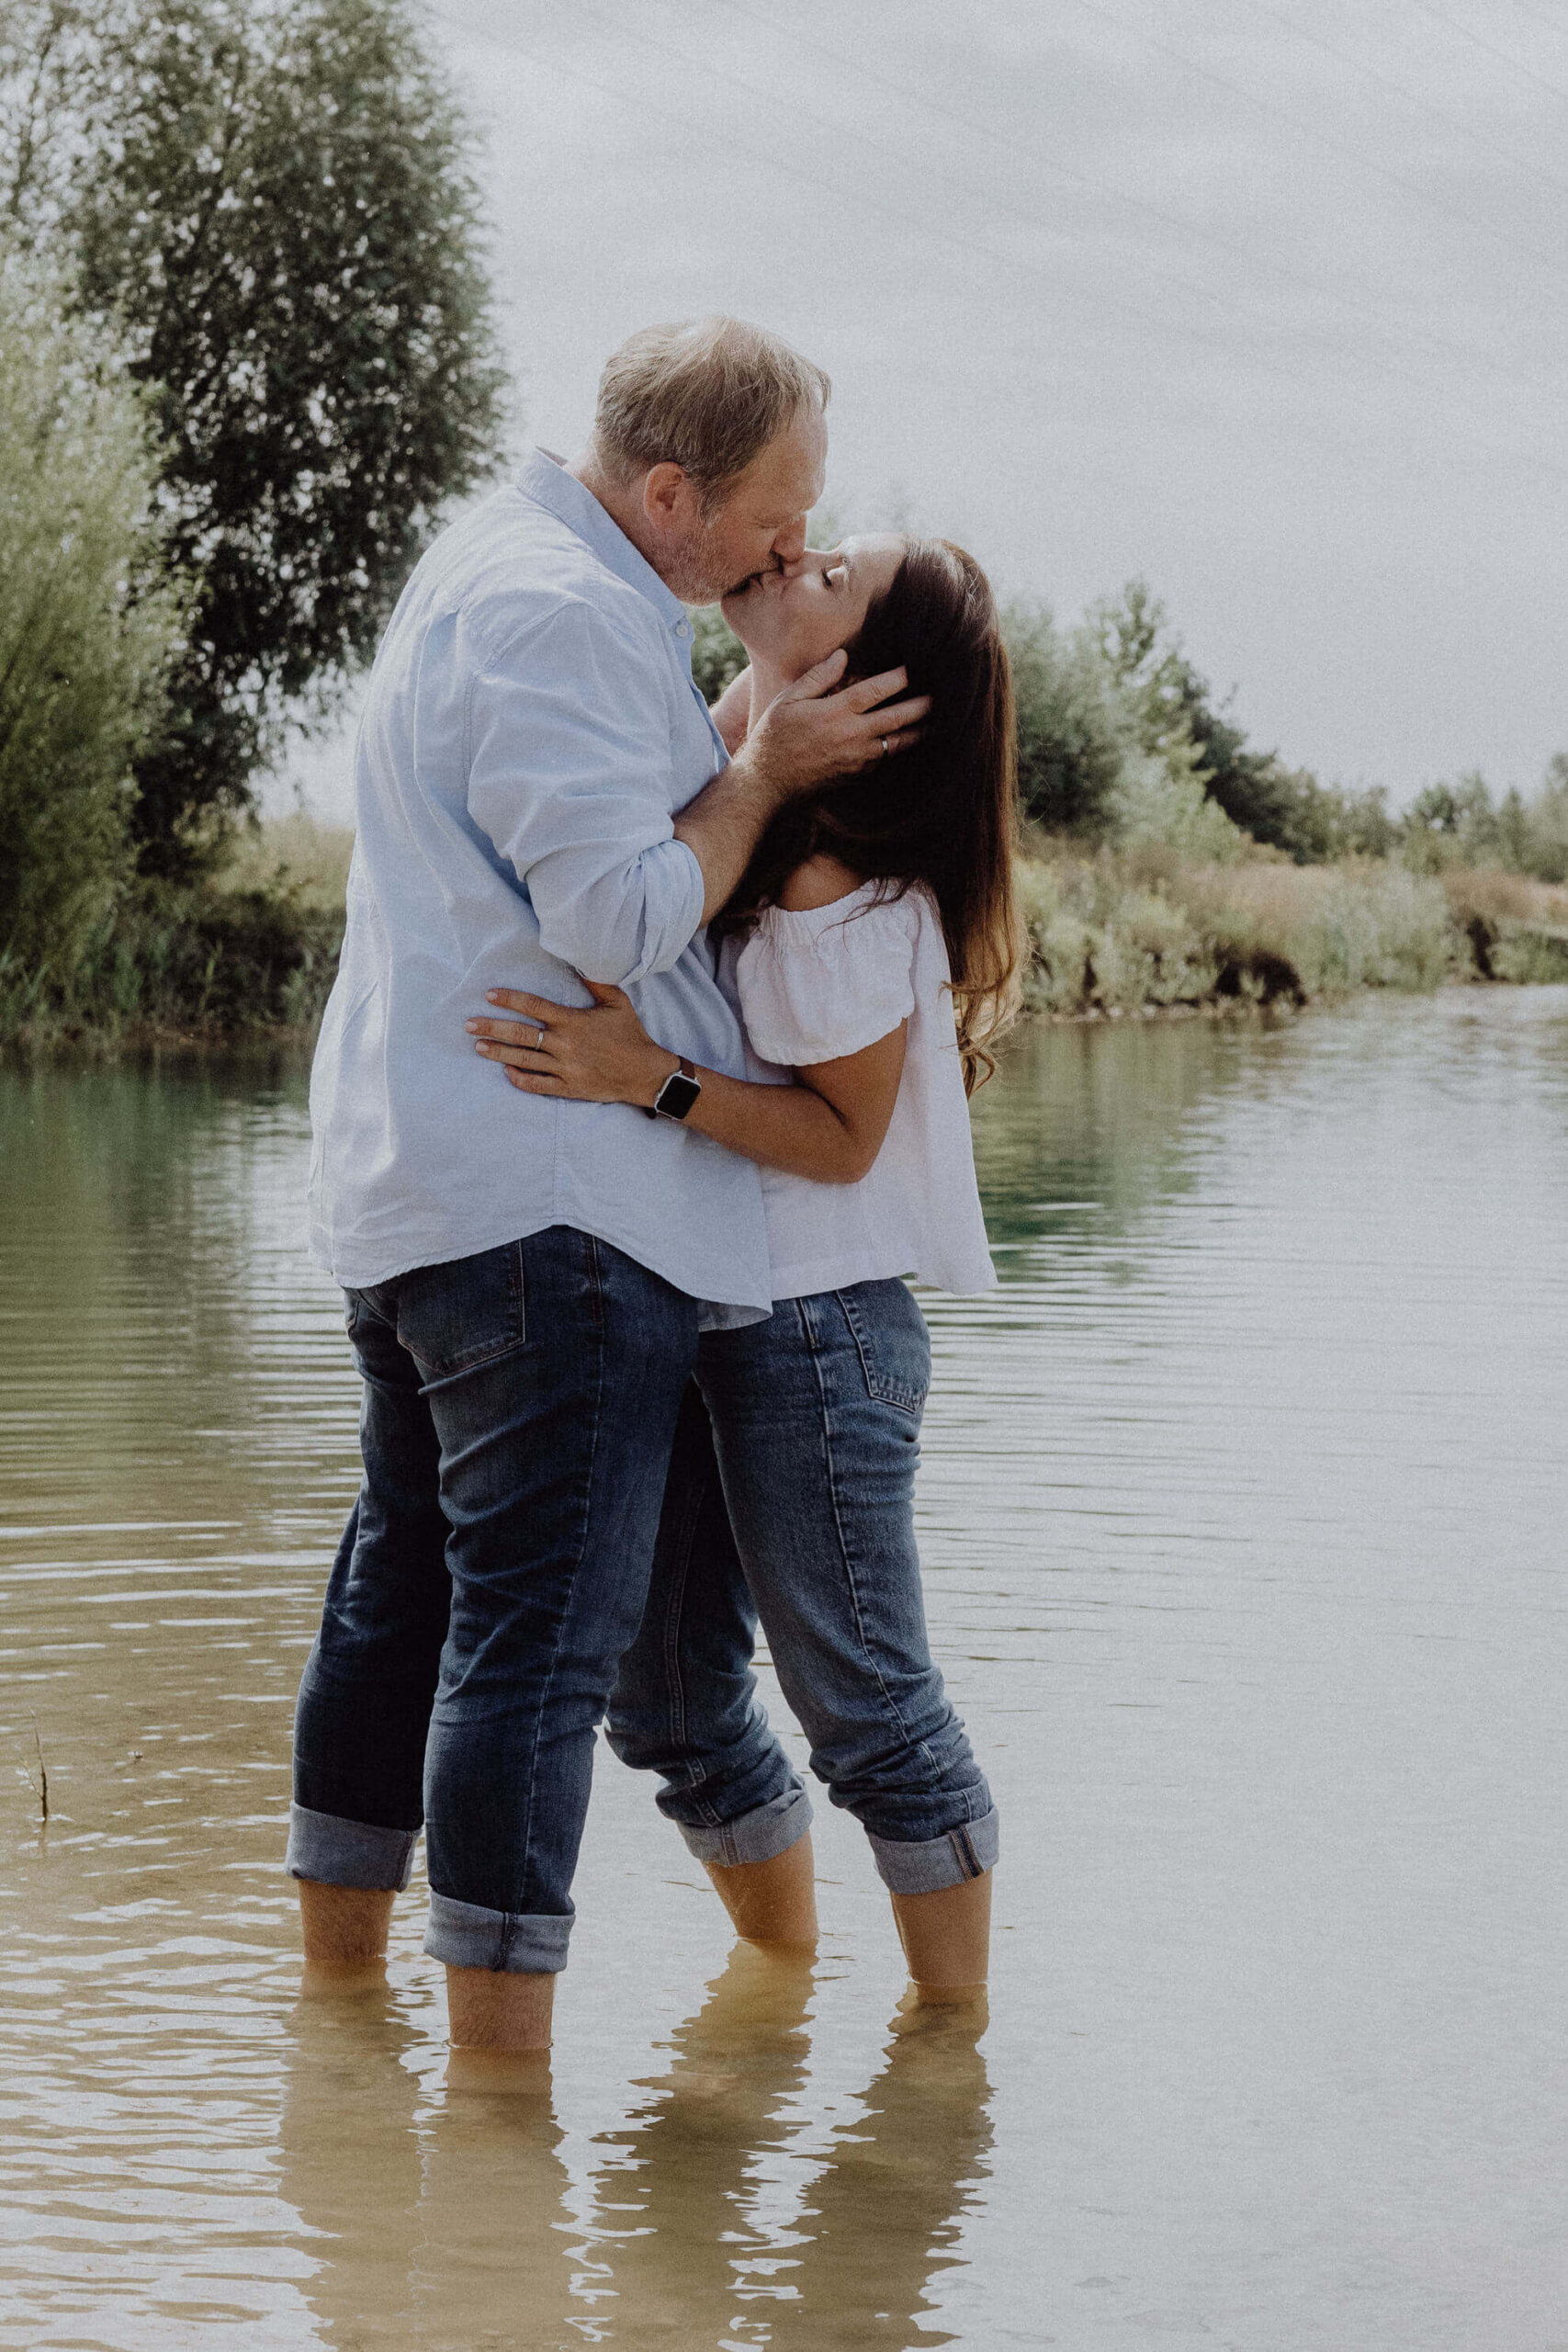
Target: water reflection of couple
(458, 2223)
(659, 1372)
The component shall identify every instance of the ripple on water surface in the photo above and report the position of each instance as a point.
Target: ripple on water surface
(1243, 1510)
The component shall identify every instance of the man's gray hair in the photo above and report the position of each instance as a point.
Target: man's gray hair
(705, 394)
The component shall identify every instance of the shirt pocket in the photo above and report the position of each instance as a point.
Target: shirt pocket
(468, 1312)
(892, 1342)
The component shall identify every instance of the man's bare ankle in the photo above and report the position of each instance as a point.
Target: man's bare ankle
(344, 1929)
(491, 2009)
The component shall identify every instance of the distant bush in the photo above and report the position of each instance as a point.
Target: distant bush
(1459, 825)
(1333, 927)
(1514, 927)
(1114, 933)
(718, 654)
(89, 624)
(1103, 938)
(248, 947)
(293, 857)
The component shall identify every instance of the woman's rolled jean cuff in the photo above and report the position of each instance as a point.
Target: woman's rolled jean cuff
(760, 1836)
(348, 1853)
(517, 1943)
(927, 1865)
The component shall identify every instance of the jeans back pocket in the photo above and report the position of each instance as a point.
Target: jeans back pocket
(893, 1346)
(453, 1317)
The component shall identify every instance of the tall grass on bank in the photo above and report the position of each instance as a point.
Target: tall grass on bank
(251, 946)
(254, 946)
(1514, 928)
(1115, 933)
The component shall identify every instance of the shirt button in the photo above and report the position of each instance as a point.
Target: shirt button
(683, 629)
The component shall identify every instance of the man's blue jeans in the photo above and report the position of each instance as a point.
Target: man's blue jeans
(791, 1494)
(518, 1412)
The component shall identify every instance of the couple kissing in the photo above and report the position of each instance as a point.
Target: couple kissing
(641, 1098)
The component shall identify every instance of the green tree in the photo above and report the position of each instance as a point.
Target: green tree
(1286, 807)
(718, 654)
(1549, 823)
(272, 205)
(1074, 731)
(1453, 824)
(1461, 824)
(88, 622)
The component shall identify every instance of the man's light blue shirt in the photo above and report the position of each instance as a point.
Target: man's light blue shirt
(530, 732)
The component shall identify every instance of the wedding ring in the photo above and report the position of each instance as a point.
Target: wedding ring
(540, 1039)
(885, 747)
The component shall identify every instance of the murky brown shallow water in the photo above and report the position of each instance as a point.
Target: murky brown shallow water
(1244, 1508)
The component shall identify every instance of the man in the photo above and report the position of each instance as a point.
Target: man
(540, 794)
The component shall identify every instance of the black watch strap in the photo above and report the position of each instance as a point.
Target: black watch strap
(678, 1093)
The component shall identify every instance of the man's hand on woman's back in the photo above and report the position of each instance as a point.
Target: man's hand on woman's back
(809, 734)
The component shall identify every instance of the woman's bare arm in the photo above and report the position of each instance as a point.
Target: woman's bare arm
(829, 1124)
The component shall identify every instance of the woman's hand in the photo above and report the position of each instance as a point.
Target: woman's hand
(596, 1053)
(829, 1127)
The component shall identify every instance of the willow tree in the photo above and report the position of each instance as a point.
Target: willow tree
(88, 623)
(269, 202)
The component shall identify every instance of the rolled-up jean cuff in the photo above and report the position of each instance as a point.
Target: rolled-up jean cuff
(755, 1837)
(924, 1866)
(348, 1853)
(519, 1943)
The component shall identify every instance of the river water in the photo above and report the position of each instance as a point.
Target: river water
(1243, 1505)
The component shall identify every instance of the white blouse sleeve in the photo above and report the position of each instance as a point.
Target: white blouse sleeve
(827, 981)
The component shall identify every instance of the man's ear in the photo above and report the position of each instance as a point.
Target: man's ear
(662, 489)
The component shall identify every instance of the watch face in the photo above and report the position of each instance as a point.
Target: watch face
(677, 1095)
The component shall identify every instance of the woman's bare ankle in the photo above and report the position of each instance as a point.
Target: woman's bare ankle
(946, 1937)
(773, 1903)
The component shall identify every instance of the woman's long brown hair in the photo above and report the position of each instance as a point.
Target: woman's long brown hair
(943, 812)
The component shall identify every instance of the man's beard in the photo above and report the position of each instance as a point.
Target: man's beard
(697, 582)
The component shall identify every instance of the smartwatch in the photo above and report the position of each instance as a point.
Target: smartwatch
(678, 1093)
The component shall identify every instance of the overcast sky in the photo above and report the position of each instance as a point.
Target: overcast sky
(1264, 302)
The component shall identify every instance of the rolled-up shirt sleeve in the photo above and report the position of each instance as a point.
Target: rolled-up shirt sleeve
(569, 775)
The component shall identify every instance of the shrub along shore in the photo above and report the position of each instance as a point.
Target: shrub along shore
(249, 951)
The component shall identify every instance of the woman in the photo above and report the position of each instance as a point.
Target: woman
(874, 948)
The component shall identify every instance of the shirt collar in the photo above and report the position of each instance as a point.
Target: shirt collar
(545, 479)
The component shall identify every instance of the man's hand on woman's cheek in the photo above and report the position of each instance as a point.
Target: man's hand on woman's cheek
(597, 1053)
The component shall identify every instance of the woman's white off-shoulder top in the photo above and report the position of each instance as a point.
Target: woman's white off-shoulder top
(825, 982)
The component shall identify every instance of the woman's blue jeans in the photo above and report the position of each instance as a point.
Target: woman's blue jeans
(518, 1411)
(791, 1497)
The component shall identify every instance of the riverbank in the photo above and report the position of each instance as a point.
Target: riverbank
(1134, 931)
(247, 951)
(250, 951)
